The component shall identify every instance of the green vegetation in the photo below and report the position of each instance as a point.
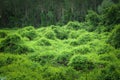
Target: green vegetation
(59, 53)
(67, 40)
(114, 38)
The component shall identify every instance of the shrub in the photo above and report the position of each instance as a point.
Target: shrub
(63, 58)
(61, 33)
(80, 62)
(43, 58)
(74, 43)
(28, 32)
(117, 53)
(93, 18)
(83, 39)
(105, 49)
(43, 42)
(112, 72)
(112, 11)
(13, 44)
(104, 5)
(100, 29)
(60, 73)
(114, 37)
(74, 34)
(108, 57)
(6, 59)
(81, 49)
(3, 34)
(73, 25)
(50, 34)
(21, 69)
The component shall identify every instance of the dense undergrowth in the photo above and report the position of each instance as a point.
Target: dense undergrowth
(88, 50)
(69, 52)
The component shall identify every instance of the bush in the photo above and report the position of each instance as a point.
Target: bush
(13, 44)
(81, 49)
(112, 11)
(105, 49)
(74, 42)
(3, 34)
(28, 32)
(43, 58)
(112, 72)
(60, 73)
(93, 18)
(74, 34)
(108, 57)
(50, 34)
(114, 37)
(6, 59)
(104, 5)
(117, 53)
(43, 42)
(61, 33)
(83, 39)
(73, 25)
(80, 62)
(21, 69)
(63, 58)
(101, 29)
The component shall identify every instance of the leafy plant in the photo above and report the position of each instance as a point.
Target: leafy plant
(63, 58)
(14, 44)
(80, 62)
(92, 18)
(43, 58)
(50, 34)
(28, 32)
(3, 34)
(84, 49)
(114, 37)
(111, 72)
(43, 42)
(73, 25)
(61, 33)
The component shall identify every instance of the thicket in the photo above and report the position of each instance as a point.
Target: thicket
(3, 34)
(114, 37)
(14, 44)
(63, 58)
(28, 32)
(110, 73)
(88, 50)
(43, 42)
(61, 33)
(80, 62)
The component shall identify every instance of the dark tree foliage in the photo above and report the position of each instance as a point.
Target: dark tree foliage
(19, 13)
(114, 38)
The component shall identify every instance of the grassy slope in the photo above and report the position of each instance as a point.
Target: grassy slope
(51, 60)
